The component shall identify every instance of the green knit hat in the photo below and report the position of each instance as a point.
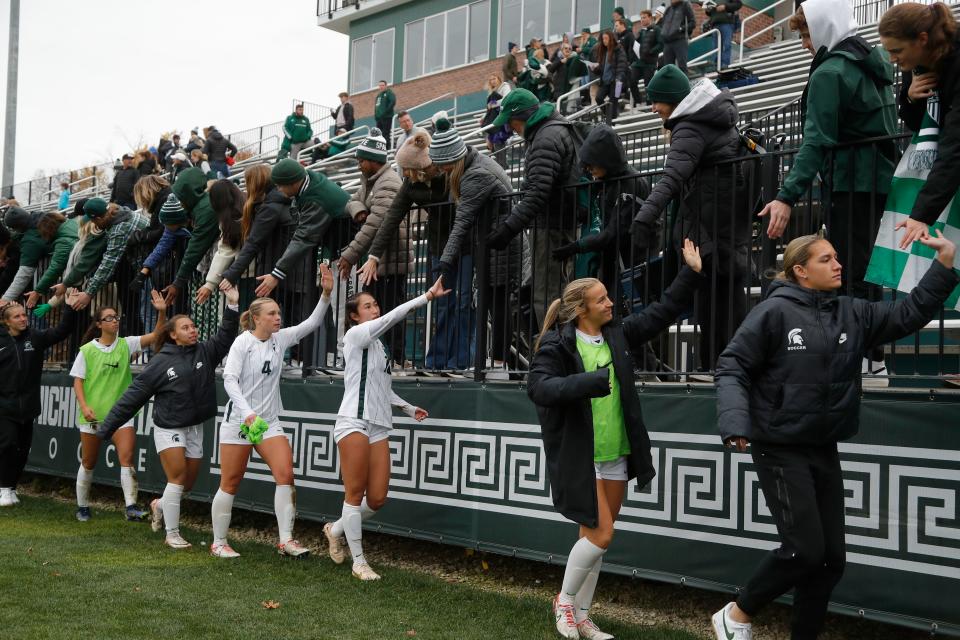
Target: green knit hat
(94, 208)
(447, 146)
(669, 85)
(287, 171)
(620, 11)
(518, 103)
(373, 147)
(172, 212)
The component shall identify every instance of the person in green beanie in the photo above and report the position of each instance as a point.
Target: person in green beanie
(297, 132)
(33, 249)
(620, 14)
(550, 164)
(191, 190)
(173, 217)
(62, 234)
(702, 121)
(383, 108)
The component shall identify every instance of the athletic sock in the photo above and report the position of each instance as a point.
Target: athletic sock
(128, 480)
(220, 512)
(365, 511)
(351, 519)
(584, 599)
(170, 502)
(84, 479)
(286, 510)
(583, 556)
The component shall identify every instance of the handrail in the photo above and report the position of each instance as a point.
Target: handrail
(70, 184)
(564, 96)
(339, 156)
(572, 116)
(420, 106)
(743, 25)
(706, 56)
(774, 112)
(349, 136)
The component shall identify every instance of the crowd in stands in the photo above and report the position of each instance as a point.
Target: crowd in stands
(176, 220)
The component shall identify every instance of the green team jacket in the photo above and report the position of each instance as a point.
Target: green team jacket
(67, 236)
(383, 108)
(33, 248)
(190, 188)
(89, 258)
(849, 97)
(297, 129)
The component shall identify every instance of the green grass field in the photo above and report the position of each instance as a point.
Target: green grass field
(109, 579)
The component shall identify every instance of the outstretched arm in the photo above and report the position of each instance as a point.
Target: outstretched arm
(364, 334)
(296, 333)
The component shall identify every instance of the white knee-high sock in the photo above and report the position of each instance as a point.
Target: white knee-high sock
(128, 481)
(172, 494)
(286, 509)
(584, 599)
(365, 514)
(220, 512)
(582, 557)
(84, 479)
(351, 520)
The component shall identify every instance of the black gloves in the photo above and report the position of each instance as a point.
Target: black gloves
(136, 285)
(499, 239)
(448, 272)
(565, 251)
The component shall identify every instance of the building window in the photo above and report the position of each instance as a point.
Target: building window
(447, 40)
(523, 20)
(372, 61)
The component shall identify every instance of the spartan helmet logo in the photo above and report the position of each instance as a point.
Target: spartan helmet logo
(795, 340)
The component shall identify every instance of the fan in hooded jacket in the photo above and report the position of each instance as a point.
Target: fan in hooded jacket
(594, 437)
(789, 385)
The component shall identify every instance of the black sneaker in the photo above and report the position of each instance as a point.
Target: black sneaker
(136, 514)
(83, 514)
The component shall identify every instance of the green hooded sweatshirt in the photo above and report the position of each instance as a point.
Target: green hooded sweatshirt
(849, 97)
(63, 242)
(383, 107)
(297, 129)
(190, 188)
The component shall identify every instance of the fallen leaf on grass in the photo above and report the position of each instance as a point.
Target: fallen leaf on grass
(411, 633)
(29, 549)
(45, 563)
(485, 565)
(137, 589)
(56, 574)
(270, 604)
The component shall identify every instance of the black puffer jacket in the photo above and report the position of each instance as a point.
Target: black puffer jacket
(123, 183)
(678, 21)
(703, 135)
(550, 163)
(621, 65)
(562, 390)
(944, 179)
(439, 220)
(216, 147)
(791, 374)
(182, 381)
(482, 188)
(620, 192)
(271, 230)
(21, 361)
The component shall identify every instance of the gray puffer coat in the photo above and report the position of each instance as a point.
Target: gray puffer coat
(482, 189)
(375, 196)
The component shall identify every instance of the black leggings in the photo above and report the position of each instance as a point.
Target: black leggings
(803, 487)
(15, 438)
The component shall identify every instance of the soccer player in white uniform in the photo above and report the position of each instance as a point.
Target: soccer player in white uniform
(101, 373)
(365, 419)
(251, 378)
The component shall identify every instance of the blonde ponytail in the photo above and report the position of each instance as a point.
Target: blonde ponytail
(565, 308)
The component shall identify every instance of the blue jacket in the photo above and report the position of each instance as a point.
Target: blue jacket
(164, 247)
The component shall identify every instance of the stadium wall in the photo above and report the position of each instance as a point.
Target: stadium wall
(474, 475)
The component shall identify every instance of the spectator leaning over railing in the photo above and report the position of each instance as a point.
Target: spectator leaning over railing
(923, 40)
(479, 187)
(423, 184)
(124, 180)
(343, 115)
(84, 257)
(698, 171)
(368, 207)
(216, 148)
(61, 233)
(173, 219)
(296, 132)
(550, 165)
(33, 248)
(9, 258)
(266, 227)
(118, 224)
(86, 230)
(191, 190)
(848, 97)
(316, 202)
(227, 201)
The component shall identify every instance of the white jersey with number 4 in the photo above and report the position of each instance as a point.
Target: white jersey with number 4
(367, 385)
(251, 375)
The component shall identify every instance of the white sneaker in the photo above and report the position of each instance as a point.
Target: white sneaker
(875, 368)
(16, 498)
(156, 514)
(293, 549)
(175, 541)
(364, 572)
(6, 497)
(563, 615)
(223, 551)
(334, 544)
(727, 629)
(589, 630)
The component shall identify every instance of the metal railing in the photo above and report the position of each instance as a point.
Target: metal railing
(744, 38)
(715, 53)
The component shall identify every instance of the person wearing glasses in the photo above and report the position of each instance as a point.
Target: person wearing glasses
(101, 373)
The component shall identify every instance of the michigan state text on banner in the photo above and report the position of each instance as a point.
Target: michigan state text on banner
(891, 266)
(473, 474)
